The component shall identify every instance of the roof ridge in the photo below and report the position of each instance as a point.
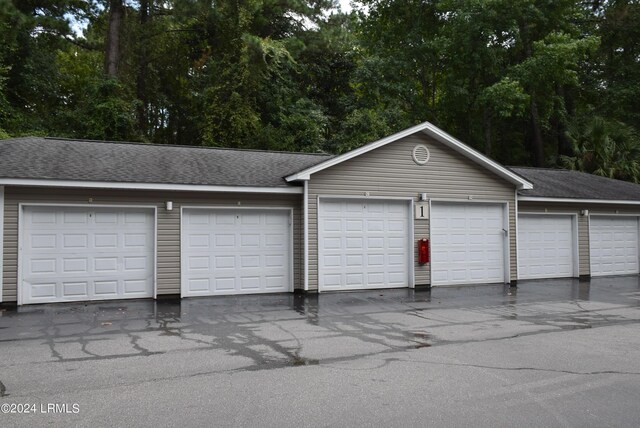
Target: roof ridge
(184, 146)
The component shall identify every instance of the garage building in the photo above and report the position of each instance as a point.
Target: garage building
(574, 224)
(94, 220)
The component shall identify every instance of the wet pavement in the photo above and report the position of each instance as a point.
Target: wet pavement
(549, 353)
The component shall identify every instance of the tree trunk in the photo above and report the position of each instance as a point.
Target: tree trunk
(538, 144)
(486, 118)
(564, 145)
(112, 52)
(141, 78)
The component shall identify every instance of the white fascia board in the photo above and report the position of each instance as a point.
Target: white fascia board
(577, 201)
(432, 131)
(147, 186)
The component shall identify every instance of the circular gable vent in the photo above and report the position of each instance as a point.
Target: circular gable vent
(421, 154)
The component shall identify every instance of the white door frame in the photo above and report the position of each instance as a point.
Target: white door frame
(506, 247)
(637, 216)
(410, 232)
(183, 268)
(23, 205)
(575, 252)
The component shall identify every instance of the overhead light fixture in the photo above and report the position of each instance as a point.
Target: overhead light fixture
(168, 205)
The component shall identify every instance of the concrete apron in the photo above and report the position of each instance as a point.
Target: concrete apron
(273, 331)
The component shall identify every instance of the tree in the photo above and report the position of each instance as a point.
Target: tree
(604, 147)
(513, 78)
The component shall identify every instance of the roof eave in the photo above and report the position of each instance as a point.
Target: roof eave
(148, 186)
(576, 200)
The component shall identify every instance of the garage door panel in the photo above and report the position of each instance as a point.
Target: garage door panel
(375, 260)
(86, 253)
(332, 280)
(223, 285)
(467, 243)
(43, 266)
(363, 244)
(105, 264)
(613, 245)
(42, 291)
(106, 218)
(375, 279)
(236, 251)
(106, 288)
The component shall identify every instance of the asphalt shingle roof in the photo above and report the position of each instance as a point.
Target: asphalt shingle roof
(63, 159)
(562, 183)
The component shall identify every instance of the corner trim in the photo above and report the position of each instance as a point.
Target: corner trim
(305, 235)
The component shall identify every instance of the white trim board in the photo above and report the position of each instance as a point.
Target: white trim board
(1, 238)
(516, 213)
(147, 186)
(433, 132)
(577, 201)
(305, 235)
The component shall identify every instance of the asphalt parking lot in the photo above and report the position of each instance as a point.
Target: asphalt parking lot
(550, 353)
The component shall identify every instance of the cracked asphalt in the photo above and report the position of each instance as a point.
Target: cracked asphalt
(562, 353)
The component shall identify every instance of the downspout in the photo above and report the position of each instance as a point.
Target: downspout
(305, 234)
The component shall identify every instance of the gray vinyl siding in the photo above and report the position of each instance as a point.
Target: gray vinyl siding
(168, 224)
(390, 171)
(421, 272)
(584, 262)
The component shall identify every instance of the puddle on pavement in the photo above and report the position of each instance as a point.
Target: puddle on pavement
(421, 340)
(297, 360)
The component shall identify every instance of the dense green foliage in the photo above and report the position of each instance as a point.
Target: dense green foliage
(528, 82)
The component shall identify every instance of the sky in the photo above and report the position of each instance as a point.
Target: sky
(344, 5)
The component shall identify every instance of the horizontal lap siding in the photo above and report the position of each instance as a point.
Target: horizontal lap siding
(168, 224)
(391, 172)
(421, 272)
(584, 261)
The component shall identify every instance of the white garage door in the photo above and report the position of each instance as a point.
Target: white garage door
(86, 253)
(230, 251)
(545, 246)
(613, 245)
(363, 244)
(467, 243)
